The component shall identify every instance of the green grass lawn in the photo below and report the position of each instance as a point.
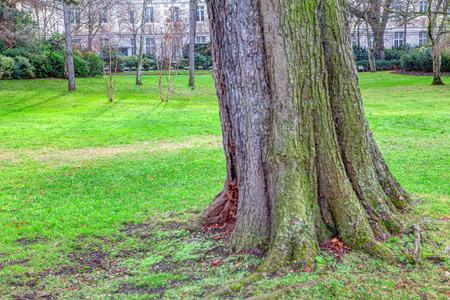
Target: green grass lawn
(89, 190)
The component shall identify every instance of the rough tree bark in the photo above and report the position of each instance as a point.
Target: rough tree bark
(302, 164)
(437, 58)
(192, 29)
(69, 51)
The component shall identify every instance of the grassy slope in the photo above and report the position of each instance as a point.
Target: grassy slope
(76, 171)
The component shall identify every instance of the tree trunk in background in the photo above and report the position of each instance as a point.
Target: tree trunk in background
(379, 44)
(370, 48)
(436, 52)
(302, 165)
(141, 45)
(192, 29)
(69, 51)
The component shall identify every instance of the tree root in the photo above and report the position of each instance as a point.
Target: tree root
(418, 250)
(236, 285)
(221, 210)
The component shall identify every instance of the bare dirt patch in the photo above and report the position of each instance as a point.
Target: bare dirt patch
(52, 155)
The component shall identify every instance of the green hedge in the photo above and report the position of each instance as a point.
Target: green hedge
(389, 54)
(95, 63)
(381, 65)
(43, 61)
(422, 60)
(23, 69)
(6, 67)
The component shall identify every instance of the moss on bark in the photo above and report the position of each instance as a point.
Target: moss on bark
(296, 139)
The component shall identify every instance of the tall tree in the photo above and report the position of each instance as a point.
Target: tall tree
(377, 14)
(437, 13)
(69, 52)
(302, 164)
(192, 29)
(141, 44)
(132, 21)
(95, 14)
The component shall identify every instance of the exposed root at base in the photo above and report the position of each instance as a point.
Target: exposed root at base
(222, 209)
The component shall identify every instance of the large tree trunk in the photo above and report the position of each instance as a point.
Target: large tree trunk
(436, 52)
(192, 29)
(302, 165)
(69, 51)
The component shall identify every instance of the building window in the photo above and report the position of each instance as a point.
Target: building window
(176, 14)
(150, 46)
(423, 6)
(201, 14)
(354, 40)
(398, 39)
(372, 40)
(201, 40)
(131, 16)
(105, 42)
(423, 38)
(149, 15)
(74, 16)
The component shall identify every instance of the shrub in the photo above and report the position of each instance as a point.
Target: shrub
(390, 54)
(95, 63)
(6, 67)
(41, 65)
(364, 63)
(56, 61)
(132, 61)
(202, 60)
(183, 63)
(3, 48)
(23, 68)
(420, 60)
(384, 65)
(445, 63)
(24, 52)
(81, 66)
(123, 60)
(381, 65)
(360, 53)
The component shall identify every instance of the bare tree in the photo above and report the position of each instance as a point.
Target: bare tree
(47, 15)
(404, 15)
(94, 17)
(377, 14)
(173, 32)
(132, 21)
(437, 14)
(141, 44)
(192, 30)
(370, 47)
(69, 52)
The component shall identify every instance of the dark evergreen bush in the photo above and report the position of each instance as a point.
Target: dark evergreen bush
(360, 53)
(23, 68)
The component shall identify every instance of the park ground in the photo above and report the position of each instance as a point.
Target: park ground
(92, 195)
